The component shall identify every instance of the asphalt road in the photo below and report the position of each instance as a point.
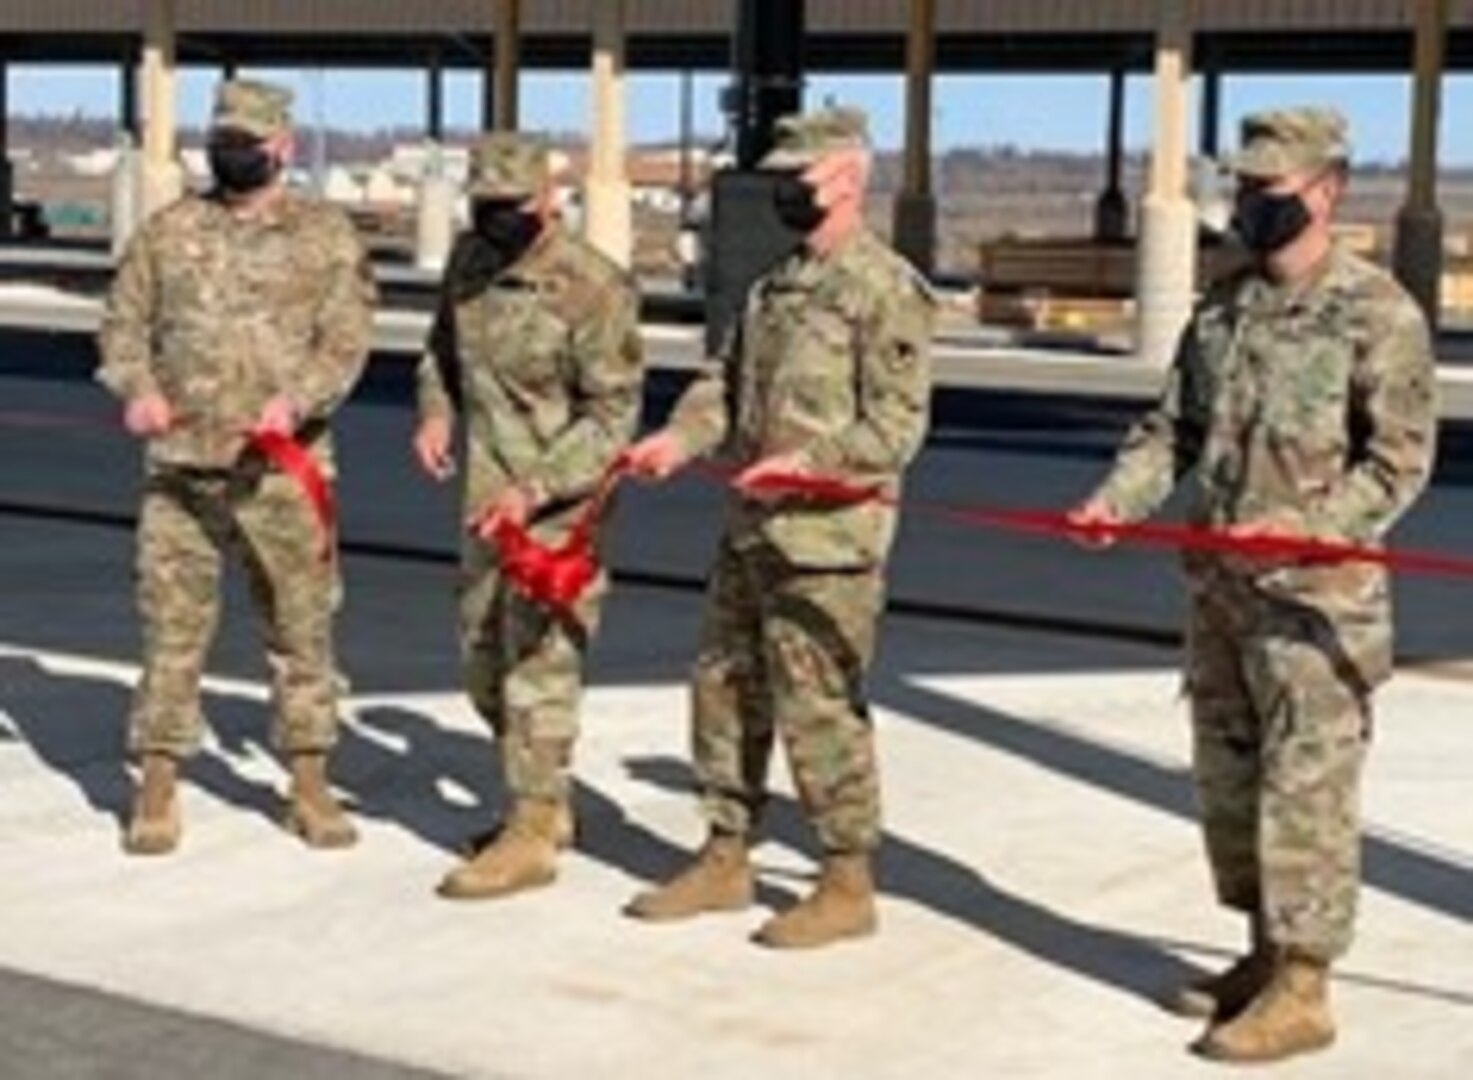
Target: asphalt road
(53, 1032)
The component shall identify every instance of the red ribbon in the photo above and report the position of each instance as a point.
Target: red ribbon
(1272, 548)
(556, 577)
(553, 577)
(296, 461)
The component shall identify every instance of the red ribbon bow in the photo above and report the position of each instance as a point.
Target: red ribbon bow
(553, 577)
(557, 577)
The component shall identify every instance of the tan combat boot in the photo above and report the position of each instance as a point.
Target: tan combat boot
(1290, 1016)
(155, 826)
(720, 879)
(313, 812)
(523, 856)
(841, 906)
(1224, 995)
(564, 832)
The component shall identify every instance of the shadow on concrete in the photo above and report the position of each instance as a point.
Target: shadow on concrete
(395, 765)
(401, 767)
(956, 891)
(1343, 973)
(1395, 867)
(443, 787)
(77, 726)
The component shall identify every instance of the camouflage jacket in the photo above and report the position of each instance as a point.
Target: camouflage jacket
(220, 313)
(1314, 407)
(545, 362)
(831, 361)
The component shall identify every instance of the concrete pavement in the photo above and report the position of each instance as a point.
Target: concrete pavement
(1042, 872)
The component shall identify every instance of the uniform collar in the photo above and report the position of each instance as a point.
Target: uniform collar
(805, 263)
(275, 214)
(1318, 287)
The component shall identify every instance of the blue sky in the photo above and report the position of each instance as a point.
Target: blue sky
(1064, 112)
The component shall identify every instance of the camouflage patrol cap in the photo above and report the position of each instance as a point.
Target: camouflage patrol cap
(1289, 141)
(506, 165)
(803, 138)
(258, 108)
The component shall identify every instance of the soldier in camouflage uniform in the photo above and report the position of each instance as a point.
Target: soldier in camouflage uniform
(1302, 401)
(248, 308)
(827, 374)
(536, 348)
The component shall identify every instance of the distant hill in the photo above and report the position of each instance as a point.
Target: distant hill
(970, 169)
(985, 192)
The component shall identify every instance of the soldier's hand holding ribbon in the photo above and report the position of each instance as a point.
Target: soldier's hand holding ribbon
(512, 509)
(278, 416)
(148, 415)
(656, 457)
(1093, 524)
(762, 480)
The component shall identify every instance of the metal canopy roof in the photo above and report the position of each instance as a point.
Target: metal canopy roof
(854, 35)
(677, 17)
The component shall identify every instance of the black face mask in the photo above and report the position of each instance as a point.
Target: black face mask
(241, 166)
(796, 201)
(1267, 222)
(505, 227)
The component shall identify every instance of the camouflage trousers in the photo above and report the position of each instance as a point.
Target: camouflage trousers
(523, 671)
(1281, 726)
(784, 651)
(189, 522)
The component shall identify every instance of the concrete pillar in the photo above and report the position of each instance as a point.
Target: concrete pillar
(1419, 225)
(435, 213)
(319, 133)
(507, 70)
(7, 172)
(1112, 212)
(124, 197)
(125, 200)
(1167, 257)
(608, 213)
(915, 206)
(163, 179)
(1211, 188)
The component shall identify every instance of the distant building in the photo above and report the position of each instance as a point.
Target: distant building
(94, 163)
(382, 189)
(410, 162)
(342, 186)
